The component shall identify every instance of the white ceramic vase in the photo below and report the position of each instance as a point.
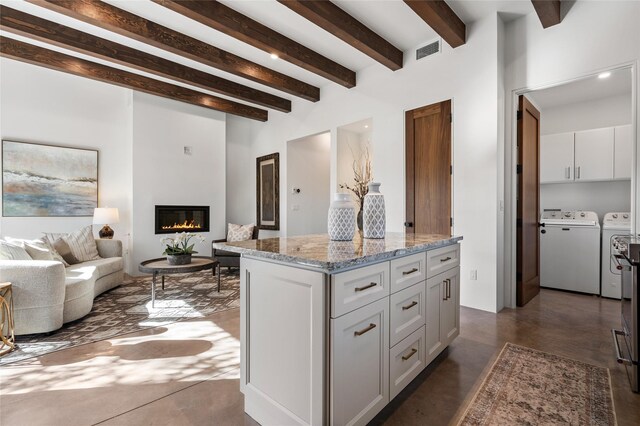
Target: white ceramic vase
(341, 221)
(374, 215)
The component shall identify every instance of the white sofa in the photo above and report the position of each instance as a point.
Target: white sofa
(47, 295)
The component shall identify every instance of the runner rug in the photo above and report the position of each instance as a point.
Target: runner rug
(530, 387)
(127, 308)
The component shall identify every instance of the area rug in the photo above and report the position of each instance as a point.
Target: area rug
(127, 309)
(530, 387)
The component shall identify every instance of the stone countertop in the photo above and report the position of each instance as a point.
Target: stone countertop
(317, 251)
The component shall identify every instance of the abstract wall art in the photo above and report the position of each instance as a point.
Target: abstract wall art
(268, 191)
(47, 180)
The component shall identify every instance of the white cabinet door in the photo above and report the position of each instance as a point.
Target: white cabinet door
(360, 364)
(594, 155)
(622, 152)
(433, 337)
(450, 307)
(556, 158)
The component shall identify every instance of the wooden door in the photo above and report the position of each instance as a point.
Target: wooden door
(528, 204)
(428, 176)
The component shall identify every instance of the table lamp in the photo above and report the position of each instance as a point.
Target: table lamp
(104, 216)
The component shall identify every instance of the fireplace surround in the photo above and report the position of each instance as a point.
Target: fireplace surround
(170, 219)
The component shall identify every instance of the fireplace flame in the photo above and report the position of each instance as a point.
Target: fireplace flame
(184, 225)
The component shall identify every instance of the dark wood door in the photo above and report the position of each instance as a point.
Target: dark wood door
(428, 176)
(528, 204)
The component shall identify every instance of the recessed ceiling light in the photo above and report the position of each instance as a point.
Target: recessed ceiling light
(274, 56)
(366, 126)
(604, 75)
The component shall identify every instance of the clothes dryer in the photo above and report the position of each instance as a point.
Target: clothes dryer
(614, 224)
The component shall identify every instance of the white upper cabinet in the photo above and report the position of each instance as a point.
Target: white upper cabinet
(622, 152)
(556, 158)
(585, 156)
(594, 155)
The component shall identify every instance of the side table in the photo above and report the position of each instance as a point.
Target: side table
(7, 337)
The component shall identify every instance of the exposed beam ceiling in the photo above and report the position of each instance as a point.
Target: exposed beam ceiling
(439, 16)
(336, 21)
(228, 21)
(127, 24)
(548, 11)
(35, 55)
(21, 23)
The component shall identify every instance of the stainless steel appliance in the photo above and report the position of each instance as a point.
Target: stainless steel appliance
(626, 340)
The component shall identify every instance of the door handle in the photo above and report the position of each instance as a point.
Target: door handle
(448, 289)
(364, 330)
(567, 172)
(578, 172)
(408, 224)
(542, 225)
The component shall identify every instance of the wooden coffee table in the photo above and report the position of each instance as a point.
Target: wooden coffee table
(160, 266)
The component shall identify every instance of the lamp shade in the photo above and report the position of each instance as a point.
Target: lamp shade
(105, 215)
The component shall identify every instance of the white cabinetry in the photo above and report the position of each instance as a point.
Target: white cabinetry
(556, 154)
(443, 312)
(622, 152)
(360, 364)
(585, 156)
(594, 155)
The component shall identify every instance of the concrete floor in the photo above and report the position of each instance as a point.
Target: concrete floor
(187, 373)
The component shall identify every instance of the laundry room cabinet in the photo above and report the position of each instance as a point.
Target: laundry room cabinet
(586, 156)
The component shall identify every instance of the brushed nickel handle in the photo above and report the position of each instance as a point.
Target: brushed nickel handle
(413, 352)
(366, 287)
(445, 259)
(411, 271)
(409, 306)
(448, 288)
(364, 330)
(578, 172)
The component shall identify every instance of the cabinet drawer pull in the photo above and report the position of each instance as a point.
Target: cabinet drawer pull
(445, 259)
(413, 352)
(366, 287)
(364, 330)
(410, 271)
(409, 306)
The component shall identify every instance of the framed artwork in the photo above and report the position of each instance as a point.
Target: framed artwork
(47, 180)
(268, 191)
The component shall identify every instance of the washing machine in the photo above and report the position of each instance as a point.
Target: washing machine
(614, 224)
(570, 251)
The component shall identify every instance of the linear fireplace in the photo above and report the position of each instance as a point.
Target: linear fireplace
(170, 219)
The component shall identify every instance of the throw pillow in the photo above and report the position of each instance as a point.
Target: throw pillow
(81, 242)
(54, 253)
(37, 249)
(10, 251)
(239, 232)
(63, 248)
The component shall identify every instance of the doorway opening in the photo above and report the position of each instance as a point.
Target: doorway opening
(308, 186)
(582, 188)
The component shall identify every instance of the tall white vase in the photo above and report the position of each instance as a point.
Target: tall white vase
(341, 220)
(374, 215)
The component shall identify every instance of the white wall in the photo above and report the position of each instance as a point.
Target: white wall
(593, 36)
(600, 197)
(49, 107)
(308, 165)
(468, 76)
(606, 112)
(163, 174)
(351, 146)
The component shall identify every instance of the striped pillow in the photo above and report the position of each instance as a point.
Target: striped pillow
(10, 251)
(37, 249)
(81, 243)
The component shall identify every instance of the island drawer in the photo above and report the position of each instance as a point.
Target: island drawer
(408, 271)
(442, 259)
(353, 289)
(406, 361)
(408, 312)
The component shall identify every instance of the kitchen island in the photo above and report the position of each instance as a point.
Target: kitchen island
(332, 331)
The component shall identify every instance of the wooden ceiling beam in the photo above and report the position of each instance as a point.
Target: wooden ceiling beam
(548, 11)
(119, 21)
(330, 17)
(25, 52)
(226, 20)
(23, 24)
(439, 16)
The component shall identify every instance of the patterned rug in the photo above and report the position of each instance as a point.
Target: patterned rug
(529, 387)
(127, 308)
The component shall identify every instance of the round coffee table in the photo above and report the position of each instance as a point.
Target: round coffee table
(160, 266)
